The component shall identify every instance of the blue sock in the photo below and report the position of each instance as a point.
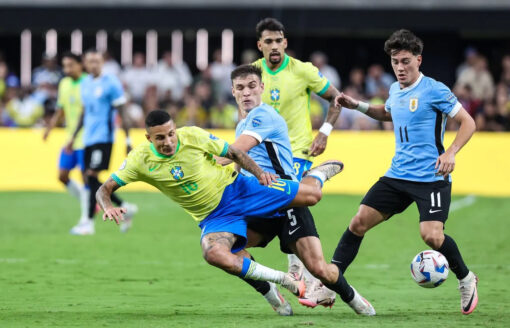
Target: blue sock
(246, 267)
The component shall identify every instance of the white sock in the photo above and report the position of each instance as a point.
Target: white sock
(84, 205)
(257, 271)
(318, 175)
(74, 189)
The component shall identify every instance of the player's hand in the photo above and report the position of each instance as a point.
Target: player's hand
(114, 213)
(319, 144)
(68, 148)
(445, 164)
(346, 101)
(267, 178)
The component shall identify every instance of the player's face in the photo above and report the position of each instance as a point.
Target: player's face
(94, 63)
(163, 137)
(406, 67)
(273, 45)
(247, 90)
(71, 67)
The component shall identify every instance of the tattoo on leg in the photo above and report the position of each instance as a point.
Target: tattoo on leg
(218, 238)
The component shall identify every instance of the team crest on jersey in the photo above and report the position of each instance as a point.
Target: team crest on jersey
(275, 94)
(213, 137)
(177, 173)
(413, 104)
(320, 75)
(256, 122)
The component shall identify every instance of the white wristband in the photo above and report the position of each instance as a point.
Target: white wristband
(362, 106)
(128, 141)
(326, 128)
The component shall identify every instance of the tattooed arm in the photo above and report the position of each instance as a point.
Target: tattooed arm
(245, 162)
(103, 197)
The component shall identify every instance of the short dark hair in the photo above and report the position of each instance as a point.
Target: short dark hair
(157, 117)
(72, 55)
(245, 70)
(269, 24)
(403, 40)
(92, 51)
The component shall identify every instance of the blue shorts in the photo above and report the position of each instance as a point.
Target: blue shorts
(243, 198)
(69, 161)
(300, 166)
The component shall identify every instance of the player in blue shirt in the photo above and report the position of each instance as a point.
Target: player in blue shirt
(420, 170)
(101, 95)
(262, 133)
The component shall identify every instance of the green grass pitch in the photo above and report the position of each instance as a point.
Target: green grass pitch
(154, 276)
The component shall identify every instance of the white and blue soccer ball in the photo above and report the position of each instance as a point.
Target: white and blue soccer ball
(429, 269)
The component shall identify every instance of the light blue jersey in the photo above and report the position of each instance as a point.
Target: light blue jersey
(419, 115)
(273, 153)
(100, 96)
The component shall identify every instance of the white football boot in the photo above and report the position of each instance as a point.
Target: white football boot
(277, 302)
(83, 228)
(132, 209)
(468, 293)
(328, 168)
(360, 305)
(295, 284)
(317, 294)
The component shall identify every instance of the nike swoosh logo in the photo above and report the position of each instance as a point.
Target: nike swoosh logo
(431, 211)
(154, 167)
(288, 190)
(466, 308)
(292, 231)
(335, 261)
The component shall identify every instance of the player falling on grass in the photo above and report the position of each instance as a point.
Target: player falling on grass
(180, 163)
(420, 170)
(101, 95)
(288, 86)
(262, 133)
(69, 106)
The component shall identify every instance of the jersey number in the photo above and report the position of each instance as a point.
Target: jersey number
(292, 217)
(189, 187)
(402, 135)
(435, 199)
(278, 185)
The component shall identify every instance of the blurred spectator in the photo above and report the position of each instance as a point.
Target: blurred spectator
(48, 73)
(3, 75)
(464, 94)
(203, 93)
(150, 99)
(23, 109)
(470, 55)
(320, 60)
(248, 56)
(134, 115)
(220, 74)
(110, 65)
(489, 119)
(357, 81)
(137, 78)
(223, 115)
(479, 79)
(378, 82)
(193, 114)
(174, 79)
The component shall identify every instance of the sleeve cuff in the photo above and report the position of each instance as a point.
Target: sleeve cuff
(253, 134)
(387, 109)
(118, 180)
(119, 101)
(320, 93)
(225, 150)
(455, 109)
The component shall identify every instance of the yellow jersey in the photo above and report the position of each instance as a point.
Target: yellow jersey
(288, 90)
(69, 100)
(191, 177)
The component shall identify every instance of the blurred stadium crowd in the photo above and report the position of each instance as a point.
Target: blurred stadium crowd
(205, 99)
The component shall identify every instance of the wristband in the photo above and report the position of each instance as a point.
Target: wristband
(362, 107)
(326, 128)
(128, 141)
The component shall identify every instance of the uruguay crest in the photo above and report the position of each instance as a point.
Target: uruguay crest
(413, 104)
(177, 173)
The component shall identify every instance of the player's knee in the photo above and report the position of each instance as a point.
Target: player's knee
(216, 257)
(433, 239)
(63, 177)
(315, 196)
(358, 225)
(319, 270)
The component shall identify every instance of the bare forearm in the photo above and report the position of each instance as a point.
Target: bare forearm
(333, 110)
(103, 197)
(377, 112)
(244, 161)
(79, 126)
(125, 121)
(466, 130)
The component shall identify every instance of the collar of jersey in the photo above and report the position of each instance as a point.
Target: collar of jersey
(284, 64)
(412, 86)
(80, 78)
(165, 156)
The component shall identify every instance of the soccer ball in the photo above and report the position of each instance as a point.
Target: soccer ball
(429, 269)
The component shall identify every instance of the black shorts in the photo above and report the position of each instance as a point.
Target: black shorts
(296, 223)
(97, 156)
(392, 196)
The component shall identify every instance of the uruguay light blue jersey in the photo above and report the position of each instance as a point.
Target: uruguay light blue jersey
(100, 96)
(419, 115)
(273, 153)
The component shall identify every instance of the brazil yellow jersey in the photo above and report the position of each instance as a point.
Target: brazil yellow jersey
(69, 100)
(288, 90)
(190, 176)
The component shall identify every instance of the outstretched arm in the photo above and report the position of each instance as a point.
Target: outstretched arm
(376, 112)
(321, 140)
(103, 197)
(247, 163)
(243, 143)
(53, 122)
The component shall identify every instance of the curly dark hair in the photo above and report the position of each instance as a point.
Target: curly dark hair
(403, 40)
(269, 24)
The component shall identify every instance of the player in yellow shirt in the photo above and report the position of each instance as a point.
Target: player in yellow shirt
(288, 85)
(180, 163)
(69, 106)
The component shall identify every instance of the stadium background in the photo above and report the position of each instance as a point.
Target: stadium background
(45, 282)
